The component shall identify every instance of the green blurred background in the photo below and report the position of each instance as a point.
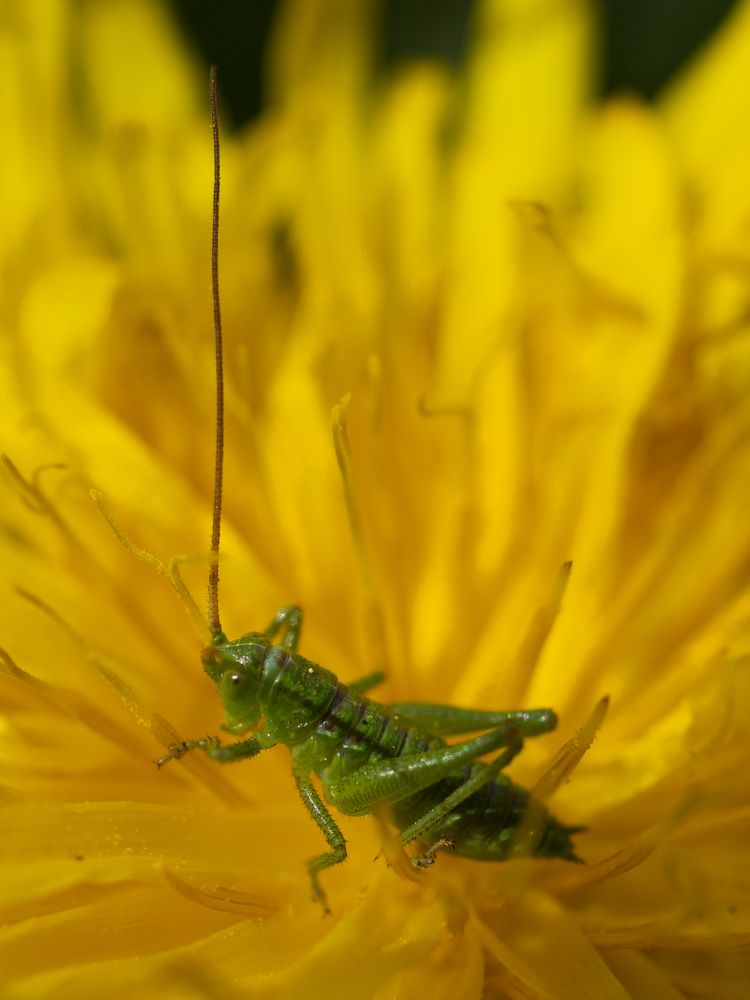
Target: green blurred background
(644, 42)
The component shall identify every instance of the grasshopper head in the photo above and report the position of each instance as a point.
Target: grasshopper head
(236, 667)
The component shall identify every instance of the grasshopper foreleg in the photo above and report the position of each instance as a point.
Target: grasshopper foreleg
(326, 823)
(214, 749)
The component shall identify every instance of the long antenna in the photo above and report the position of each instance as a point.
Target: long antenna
(214, 623)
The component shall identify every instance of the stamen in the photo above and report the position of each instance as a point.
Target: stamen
(68, 701)
(570, 754)
(219, 897)
(33, 498)
(374, 618)
(111, 671)
(170, 572)
(535, 638)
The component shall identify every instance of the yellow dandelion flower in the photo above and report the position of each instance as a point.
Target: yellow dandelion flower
(538, 307)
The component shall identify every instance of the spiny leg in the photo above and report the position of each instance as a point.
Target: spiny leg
(213, 748)
(482, 775)
(446, 720)
(326, 823)
(388, 780)
(288, 619)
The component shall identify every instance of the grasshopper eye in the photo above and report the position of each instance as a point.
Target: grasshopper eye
(235, 687)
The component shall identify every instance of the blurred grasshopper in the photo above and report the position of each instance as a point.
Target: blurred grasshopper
(367, 756)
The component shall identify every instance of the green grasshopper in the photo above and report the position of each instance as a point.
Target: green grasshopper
(368, 756)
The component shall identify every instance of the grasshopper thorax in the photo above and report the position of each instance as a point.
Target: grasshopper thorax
(236, 667)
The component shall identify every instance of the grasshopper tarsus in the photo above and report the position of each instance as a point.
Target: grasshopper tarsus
(176, 750)
(426, 860)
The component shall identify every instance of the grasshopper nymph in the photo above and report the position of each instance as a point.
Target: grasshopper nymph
(367, 756)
